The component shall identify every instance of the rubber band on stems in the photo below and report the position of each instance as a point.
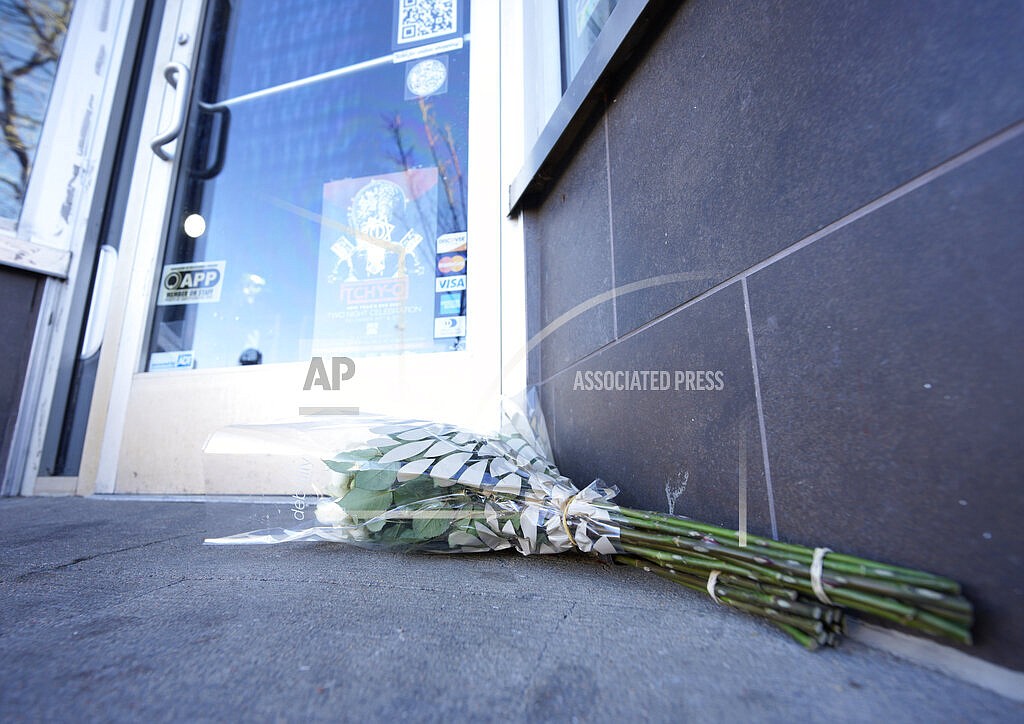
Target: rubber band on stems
(565, 520)
(712, 582)
(817, 564)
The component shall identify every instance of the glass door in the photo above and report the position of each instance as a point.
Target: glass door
(323, 169)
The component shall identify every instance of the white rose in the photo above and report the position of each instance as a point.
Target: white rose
(330, 513)
(340, 484)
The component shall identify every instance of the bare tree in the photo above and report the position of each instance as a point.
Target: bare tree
(31, 35)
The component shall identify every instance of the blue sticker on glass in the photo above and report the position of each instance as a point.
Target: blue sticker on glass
(449, 304)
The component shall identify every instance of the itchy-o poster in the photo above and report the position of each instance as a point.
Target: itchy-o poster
(375, 279)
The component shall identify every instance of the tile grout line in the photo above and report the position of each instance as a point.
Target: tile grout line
(760, 411)
(611, 225)
(923, 179)
(501, 238)
(975, 151)
(743, 484)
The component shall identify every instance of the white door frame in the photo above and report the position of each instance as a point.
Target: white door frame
(51, 233)
(139, 253)
(121, 431)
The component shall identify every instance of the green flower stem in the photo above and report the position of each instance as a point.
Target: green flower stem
(742, 582)
(745, 595)
(673, 560)
(896, 590)
(794, 554)
(803, 631)
(808, 642)
(864, 602)
(860, 566)
(884, 607)
(806, 617)
(807, 626)
(961, 619)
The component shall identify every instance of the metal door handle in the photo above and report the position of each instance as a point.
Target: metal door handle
(216, 109)
(178, 75)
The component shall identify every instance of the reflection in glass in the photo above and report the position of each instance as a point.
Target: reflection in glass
(581, 23)
(194, 225)
(326, 151)
(31, 36)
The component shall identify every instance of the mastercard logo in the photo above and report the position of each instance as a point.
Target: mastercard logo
(453, 264)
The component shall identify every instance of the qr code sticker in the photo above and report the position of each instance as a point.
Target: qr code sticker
(425, 19)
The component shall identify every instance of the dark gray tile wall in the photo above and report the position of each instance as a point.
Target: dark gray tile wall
(890, 369)
(572, 263)
(667, 446)
(762, 122)
(887, 346)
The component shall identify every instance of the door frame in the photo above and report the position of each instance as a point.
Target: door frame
(139, 256)
(142, 247)
(65, 190)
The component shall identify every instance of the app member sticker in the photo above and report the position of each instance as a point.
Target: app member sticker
(191, 283)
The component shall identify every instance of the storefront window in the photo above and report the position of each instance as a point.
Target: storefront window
(31, 37)
(322, 193)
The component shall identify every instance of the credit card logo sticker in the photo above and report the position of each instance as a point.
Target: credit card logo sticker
(450, 327)
(447, 243)
(451, 264)
(450, 284)
(449, 304)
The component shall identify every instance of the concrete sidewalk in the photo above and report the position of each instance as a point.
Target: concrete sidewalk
(113, 610)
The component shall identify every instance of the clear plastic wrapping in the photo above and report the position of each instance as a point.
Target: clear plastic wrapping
(425, 486)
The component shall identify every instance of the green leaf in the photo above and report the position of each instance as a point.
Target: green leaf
(409, 535)
(392, 532)
(349, 460)
(415, 490)
(374, 526)
(364, 504)
(370, 453)
(339, 466)
(427, 528)
(375, 478)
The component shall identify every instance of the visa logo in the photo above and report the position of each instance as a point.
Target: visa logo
(450, 284)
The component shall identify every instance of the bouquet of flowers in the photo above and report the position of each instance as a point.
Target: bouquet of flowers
(436, 488)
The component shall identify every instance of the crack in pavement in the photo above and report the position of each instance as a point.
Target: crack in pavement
(82, 559)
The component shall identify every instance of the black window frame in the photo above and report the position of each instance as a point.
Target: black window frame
(629, 25)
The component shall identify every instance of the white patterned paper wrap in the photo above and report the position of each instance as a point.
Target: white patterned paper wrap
(423, 486)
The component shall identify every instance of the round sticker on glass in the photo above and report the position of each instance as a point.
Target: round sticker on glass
(426, 77)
